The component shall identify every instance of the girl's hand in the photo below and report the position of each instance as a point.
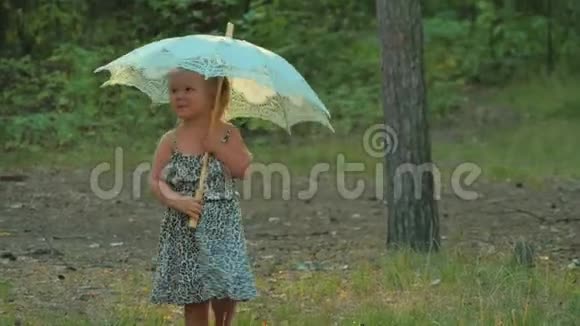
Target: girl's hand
(190, 206)
(217, 137)
(225, 142)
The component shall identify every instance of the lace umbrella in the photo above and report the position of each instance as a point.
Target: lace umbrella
(263, 84)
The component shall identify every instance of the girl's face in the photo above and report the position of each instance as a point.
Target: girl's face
(190, 94)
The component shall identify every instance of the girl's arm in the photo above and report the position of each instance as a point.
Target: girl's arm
(158, 186)
(233, 152)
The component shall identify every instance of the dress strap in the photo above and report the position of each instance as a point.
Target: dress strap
(174, 140)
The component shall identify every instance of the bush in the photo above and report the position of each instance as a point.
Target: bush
(55, 101)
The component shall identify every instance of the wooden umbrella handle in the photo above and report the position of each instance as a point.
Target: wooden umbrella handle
(216, 114)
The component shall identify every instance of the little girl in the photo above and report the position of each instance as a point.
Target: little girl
(208, 264)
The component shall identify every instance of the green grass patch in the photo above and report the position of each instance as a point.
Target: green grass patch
(542, 146)
(4, 290)
(6, 312)
(534, 151)
(402, 288)
(542, 98)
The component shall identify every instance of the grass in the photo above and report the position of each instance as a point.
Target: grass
(403, 288)
(540, 147)
(545, 98)
(6, 312)
(535, 151)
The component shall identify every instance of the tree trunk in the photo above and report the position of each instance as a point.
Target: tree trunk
(409, 180)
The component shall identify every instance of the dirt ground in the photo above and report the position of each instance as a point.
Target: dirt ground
(56, 235)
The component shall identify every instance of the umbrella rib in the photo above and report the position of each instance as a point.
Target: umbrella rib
(287, 120)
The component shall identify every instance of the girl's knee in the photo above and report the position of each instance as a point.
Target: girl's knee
(223, 301)
(197, 306)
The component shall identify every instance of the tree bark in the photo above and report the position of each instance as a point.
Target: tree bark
(412, 214)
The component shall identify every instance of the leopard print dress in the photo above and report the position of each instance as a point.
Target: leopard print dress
(210, 261)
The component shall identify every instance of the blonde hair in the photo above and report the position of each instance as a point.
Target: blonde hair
(225, 96)
(225, 92)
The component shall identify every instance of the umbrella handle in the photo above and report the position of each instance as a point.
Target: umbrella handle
(200, 188)
(216, 114)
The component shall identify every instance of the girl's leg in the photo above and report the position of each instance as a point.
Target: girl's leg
(197, 314)
(224, 310)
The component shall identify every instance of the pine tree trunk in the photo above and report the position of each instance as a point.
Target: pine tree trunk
(412, 215)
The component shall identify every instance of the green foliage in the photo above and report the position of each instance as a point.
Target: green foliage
(50, 49)
(58, 103)
(490, 49)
